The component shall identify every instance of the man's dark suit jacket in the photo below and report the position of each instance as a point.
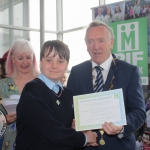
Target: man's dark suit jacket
(126, 77)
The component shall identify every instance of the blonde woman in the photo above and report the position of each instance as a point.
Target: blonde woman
(21, 67)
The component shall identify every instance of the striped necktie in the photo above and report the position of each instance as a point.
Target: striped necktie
(99, 83)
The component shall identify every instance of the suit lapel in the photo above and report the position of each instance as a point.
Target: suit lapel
(88, 77)
(111, 73)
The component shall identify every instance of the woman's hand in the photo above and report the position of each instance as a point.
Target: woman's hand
(10, 118)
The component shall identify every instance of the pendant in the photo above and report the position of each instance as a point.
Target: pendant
(58, 102)
(101, 141)
(111, 86)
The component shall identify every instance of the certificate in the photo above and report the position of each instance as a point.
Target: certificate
(92, 110)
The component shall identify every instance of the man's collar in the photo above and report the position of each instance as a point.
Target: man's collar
(105, 65)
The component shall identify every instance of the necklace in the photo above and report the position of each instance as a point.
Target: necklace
(102, 141)
(58, 95)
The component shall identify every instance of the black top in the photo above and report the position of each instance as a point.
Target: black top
(44, 119)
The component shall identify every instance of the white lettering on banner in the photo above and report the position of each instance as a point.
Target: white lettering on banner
(141, 70)
(144, 80)
(131, 44)
(135, 57)
(131, 58)
(128, 37)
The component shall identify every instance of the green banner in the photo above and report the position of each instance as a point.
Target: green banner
(130, 44)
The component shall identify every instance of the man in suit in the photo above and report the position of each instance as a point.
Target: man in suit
(116, 74)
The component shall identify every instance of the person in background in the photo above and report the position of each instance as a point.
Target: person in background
(117, 9)
(108, 16)
(131, 12)
(146, 141)
(63, 79)
(118, 14)
(147, 105)
(45, 112)
(136, 9)
(100, 16)
(115, 74)
(147, 108)
(127, 10)
(3, 75)
(144, 11)
(139, 143)
(143, 137)
(21, 67)
(2, 63)
(147, 120)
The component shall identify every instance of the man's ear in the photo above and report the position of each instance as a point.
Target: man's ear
(112, 44)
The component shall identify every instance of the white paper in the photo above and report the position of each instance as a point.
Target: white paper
(92, 110)
(14, 96)
(11, 103)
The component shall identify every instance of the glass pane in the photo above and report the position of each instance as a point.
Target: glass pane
(34, 13)
(77, 13)
(11, 12)
(50, 15)
(9, 36)
(35, 42)
(49, 36)
(76, 44)
(4, 12)
(111, 1)
(4, 41)
(18, 14)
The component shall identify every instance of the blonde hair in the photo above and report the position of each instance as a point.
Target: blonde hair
(22, 46)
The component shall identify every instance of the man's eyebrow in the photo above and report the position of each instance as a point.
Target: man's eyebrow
(97, 39)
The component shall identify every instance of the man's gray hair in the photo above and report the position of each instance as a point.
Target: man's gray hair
(96, 24)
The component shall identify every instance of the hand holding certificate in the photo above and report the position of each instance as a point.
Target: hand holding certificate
(92, 110)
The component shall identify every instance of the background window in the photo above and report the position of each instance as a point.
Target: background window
(18, 14)
(76, 44)
(34, 10)
(4, 19)
(111, 1)
(50, 15)
(77, 13)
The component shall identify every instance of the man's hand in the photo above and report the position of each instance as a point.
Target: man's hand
(11, 118)
(91, 138)
(111, 129)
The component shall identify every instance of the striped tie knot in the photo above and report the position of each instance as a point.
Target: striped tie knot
(98, 69)
(99, 83)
